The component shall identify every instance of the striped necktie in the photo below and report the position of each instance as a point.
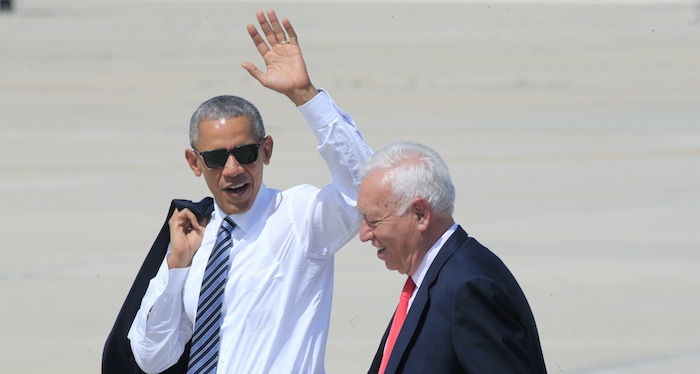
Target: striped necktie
(204, 353)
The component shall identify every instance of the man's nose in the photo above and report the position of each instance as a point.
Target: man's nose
(232, 167)
(365, 232)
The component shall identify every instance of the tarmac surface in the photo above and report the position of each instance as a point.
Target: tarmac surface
(572, 132)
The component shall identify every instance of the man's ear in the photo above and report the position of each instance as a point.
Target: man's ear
(267, 150)
(193, 161)
(422, 213)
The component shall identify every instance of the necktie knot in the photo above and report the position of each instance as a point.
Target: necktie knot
(408, 288)
(227, 224)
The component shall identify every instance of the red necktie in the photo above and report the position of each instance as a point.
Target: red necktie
(399, 317)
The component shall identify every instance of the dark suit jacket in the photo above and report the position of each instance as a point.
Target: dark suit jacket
(469, 316)
(117, 357)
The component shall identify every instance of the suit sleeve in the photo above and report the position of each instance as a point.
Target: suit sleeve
(487, 334)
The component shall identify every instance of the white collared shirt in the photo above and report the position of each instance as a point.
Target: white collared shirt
(428, 259)
(278, 295)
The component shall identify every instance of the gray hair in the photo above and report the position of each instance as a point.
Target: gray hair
(223, 108)
(414, 170)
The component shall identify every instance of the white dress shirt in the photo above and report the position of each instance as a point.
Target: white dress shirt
(428, 259)
(277, 300)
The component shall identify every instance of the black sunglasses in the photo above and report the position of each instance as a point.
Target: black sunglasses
(244, 154)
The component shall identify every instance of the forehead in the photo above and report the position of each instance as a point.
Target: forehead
(240, 124)
(374, 195)
(223, 131)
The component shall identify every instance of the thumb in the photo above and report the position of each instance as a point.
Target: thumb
(254, 71)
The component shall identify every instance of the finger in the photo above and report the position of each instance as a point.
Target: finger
(258, 40)
(190, 220)
(249, 66)
(183, 221)
(174, 217)
(266, 28)
(254, 72)
(277, 29)
(290, 31)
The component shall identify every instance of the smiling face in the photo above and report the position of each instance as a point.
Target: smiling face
(399, 239)
(234, 186)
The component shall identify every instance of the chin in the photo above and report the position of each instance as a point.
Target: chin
(229, 208)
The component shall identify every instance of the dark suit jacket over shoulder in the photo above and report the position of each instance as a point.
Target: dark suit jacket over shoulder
(469, 316)
(117, 357)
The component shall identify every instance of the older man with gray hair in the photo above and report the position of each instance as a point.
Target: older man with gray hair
(461, 310)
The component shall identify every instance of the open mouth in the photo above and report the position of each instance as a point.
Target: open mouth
(380, 251)
(236, 190)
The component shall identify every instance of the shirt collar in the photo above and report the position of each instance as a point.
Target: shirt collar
(422, 270)
(247, 220)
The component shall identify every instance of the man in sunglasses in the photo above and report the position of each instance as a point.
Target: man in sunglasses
(271, 311)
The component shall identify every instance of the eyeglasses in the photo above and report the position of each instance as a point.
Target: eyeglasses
(244, 154)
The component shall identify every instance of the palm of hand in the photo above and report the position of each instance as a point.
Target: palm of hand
(286, 70)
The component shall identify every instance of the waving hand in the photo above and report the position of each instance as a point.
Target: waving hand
(279, 47)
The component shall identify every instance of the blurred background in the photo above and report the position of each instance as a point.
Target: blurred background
(571, 128)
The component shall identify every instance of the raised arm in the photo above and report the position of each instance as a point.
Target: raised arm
(279, 48)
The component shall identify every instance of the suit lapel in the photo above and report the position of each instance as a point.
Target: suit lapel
(377, 361)
(415, 314)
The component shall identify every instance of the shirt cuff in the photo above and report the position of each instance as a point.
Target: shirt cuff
(321, 111)
(176, 281)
